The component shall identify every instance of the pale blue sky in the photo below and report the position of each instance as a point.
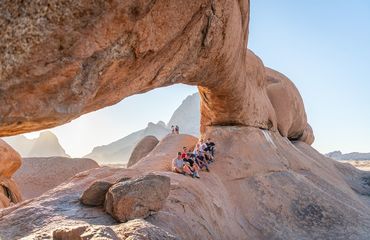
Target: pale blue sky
(322, 46)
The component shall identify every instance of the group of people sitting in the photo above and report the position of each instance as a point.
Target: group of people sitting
(192, 162)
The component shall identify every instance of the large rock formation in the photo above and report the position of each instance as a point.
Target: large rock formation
(288, 106)
(38, 175)
(95, 194)
(262, 186)
(143, 148)
(137, 198)
(10, 161)
(64, 59)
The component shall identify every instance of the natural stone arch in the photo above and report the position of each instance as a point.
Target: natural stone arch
(101, 52)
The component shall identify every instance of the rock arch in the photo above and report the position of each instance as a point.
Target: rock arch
(66, 58)
(76, 58)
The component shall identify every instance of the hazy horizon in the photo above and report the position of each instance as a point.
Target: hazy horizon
(323, 53)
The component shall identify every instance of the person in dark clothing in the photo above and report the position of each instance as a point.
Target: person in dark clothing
(211, 147)
(201, 160)
(192, 164)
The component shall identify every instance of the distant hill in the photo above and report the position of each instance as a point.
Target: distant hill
(186, 116)
(337, 155)
(120, 151)
(46, 145)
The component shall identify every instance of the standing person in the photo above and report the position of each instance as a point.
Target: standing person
(173, 129)
(178, 166)
(177, 129)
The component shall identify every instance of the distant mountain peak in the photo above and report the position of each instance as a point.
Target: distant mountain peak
(46, 145)
(47, 135)
(186, 116)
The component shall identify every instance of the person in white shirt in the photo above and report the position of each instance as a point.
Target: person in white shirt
(178, 166)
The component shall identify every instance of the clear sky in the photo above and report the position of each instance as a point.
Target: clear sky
(322, 46)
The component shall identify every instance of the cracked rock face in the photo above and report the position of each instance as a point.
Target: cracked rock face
(62, 59)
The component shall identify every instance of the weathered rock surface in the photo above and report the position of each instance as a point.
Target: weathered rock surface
(143, 148)
(9, 192)
(10, 161)
(38, 175)
(64, 59)
(261, 186)
(288, 105)
(139, 229)
(137, 198)
(85, 232)
(307, 135)
(95, 194)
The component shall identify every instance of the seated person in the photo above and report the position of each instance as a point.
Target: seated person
(201, 160)
(201, 146)
(194, 167)
(211, 147)
(178, 166)
(184, 152)
(208, 156)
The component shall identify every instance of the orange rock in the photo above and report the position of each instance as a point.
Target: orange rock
(76, 55)
(260, 186)
(10, 161)
(287, 103)
(137, 198)
(307, 136)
